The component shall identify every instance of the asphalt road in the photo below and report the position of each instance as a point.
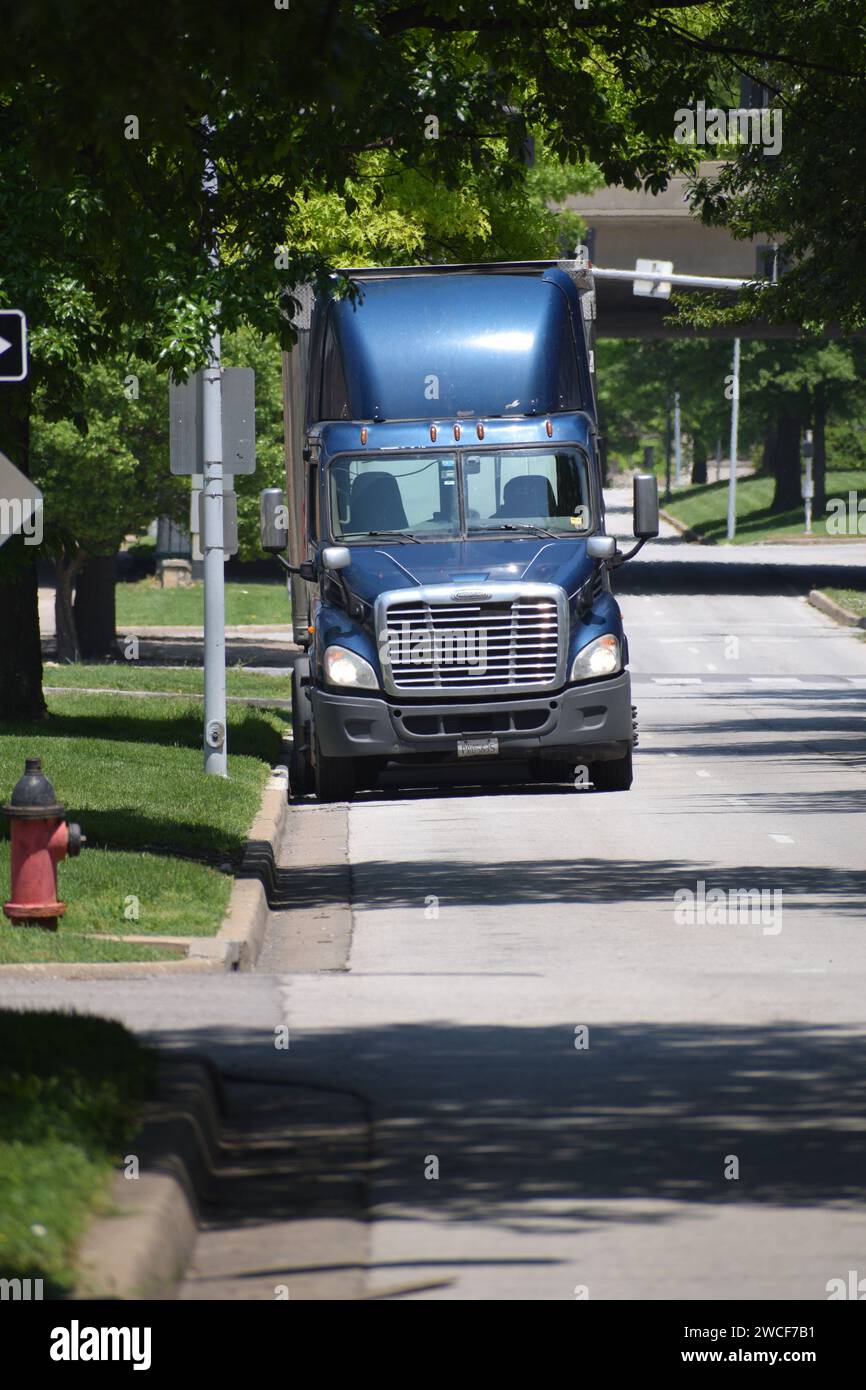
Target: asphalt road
(437, 947)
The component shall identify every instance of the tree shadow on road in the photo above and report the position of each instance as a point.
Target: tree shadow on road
(530, 1132)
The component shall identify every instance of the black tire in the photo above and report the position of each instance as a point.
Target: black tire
(367, 772)
(300, 768)
(612, 776)
(552, 770)
(334, 777)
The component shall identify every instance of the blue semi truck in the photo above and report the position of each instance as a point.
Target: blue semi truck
(444, 522)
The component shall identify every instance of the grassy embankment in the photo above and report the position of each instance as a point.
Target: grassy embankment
(170, 680)
(163, 839)
(71, 1089)
(704, 508)
(145, 603)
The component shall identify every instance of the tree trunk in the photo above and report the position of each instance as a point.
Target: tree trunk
(768, 451)
(699, 460)
(93, 609)
(66, 567)
(786, 464)
(819, 455)
(20, 646)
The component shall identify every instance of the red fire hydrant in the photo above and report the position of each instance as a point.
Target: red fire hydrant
(40, 839)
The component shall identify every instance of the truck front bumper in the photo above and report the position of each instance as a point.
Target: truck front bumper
(596, 717)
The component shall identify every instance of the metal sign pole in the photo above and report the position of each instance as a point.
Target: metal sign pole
(735, 422)
(668, 452)
(678, 441)
(215, 745)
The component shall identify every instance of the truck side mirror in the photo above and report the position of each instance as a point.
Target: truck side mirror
(601, 547)
(274, 520)
(336, 557)
(646, 506)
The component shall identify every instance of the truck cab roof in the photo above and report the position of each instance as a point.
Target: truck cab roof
(500, 341)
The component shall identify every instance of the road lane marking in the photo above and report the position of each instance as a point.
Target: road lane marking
(782, 839)
(700, 773)
(677, 680)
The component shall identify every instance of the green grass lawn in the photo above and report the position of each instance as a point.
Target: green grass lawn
(71, 1089)
(162, 837)
(131, 675)
(852, 599)
(145, 604)
(705, 508)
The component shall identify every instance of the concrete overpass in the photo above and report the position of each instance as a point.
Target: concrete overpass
(624, 225)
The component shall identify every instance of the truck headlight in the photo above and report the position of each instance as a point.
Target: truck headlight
(600, 657)
(346, 668)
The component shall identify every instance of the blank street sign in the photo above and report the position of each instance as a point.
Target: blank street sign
(230, 522)
(653, 289)
(238, 417)
(230, 517)
(20, 503)
(13, 345)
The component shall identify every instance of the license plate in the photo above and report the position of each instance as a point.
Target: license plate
(477, 747)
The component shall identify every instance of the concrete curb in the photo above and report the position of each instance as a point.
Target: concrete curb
(238, 943)
(835, 610)
(275, 632)
(143, 1247)
(240, 938)
(685, 531)
(828, 541)
(108, 970)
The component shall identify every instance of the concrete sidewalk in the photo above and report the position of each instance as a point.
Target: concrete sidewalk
(253, 644)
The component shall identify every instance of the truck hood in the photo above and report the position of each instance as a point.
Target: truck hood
(376, 569)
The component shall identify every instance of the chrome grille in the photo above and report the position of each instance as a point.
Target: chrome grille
(508, 642)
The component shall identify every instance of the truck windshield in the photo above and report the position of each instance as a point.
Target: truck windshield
(380, 492)
(534, 488)
(417, 495)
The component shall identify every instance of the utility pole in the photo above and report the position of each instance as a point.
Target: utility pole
(215, 747)
(808, 485)
(668, 452)
(735, 422)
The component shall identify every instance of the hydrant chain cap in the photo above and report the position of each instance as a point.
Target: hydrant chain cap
(33, 797)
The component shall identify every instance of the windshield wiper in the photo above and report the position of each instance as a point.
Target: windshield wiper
(524, 526)
(394, 535)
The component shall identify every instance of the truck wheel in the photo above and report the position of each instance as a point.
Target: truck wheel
(367, 772)
(300, 768)
(334, 777)
(552, 770)
(612, 776)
